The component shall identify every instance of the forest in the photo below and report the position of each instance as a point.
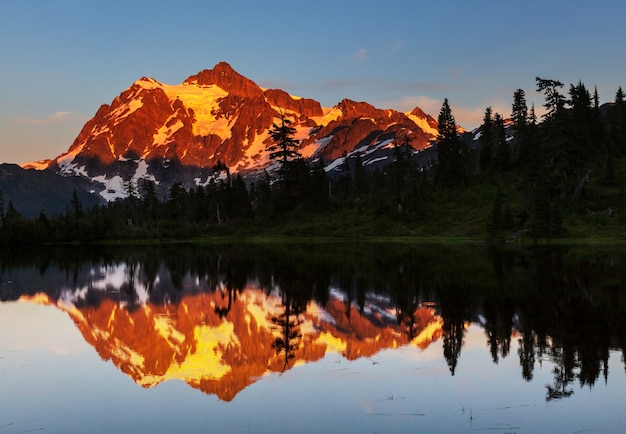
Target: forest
(518, 178)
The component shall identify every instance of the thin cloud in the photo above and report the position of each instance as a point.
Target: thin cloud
(456, 74)
(342, 84)
(426, 86)
(468, 117)
(55, 118)
(395, 48)
(422, 86)
(472, 117)
(408, 103)
(360, 56)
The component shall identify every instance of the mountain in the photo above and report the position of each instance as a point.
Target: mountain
(169, 133)
(221, 354)
(32, 191)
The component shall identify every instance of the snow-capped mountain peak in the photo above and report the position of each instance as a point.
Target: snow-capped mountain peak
(170, 133)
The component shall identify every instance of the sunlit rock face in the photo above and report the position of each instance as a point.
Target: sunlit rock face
(222, 343)
(167, 133)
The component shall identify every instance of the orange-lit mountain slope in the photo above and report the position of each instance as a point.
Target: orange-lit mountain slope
(221, 354)
(164, 132)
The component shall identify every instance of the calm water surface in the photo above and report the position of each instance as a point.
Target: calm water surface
(369, 338)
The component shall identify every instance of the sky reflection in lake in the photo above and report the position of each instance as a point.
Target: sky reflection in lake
(73, 352)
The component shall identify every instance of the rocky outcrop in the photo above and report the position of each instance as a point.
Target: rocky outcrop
(362, 125)
(303, 106)
(225, 77)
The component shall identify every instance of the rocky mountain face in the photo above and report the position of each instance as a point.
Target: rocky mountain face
(169, 133)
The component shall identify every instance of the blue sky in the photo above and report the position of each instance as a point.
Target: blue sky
(62, 59)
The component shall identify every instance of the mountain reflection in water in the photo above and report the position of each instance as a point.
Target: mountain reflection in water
(221, 317)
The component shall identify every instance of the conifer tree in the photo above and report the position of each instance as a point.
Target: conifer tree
(502, 157)
(554, 140)
(237, 200)
(452, 153)
(555, 102)
(150, 202)
(293, 172)
(581, 134)
(486, 141)
(361, 182)
(617, 123)
(285, 147)
(77, 207)
(519, 113)
(264, 205)
(11, 214)
(519, 116)
(177, 202)
(318, 195)
(597, 124)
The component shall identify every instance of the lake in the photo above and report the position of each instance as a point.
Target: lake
(336, 338)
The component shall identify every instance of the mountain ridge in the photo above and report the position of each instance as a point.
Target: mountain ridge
(178, 133)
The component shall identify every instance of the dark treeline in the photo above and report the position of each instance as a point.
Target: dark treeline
(539, 176)
(561, 304)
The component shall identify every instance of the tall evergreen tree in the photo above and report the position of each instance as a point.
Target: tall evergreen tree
(361, 181)
(284, 147)
(554, 140)
(486, 141)
(452, 153)
(177, 203)
(617, 123)
(555, 102)
(502, 159)
(403, 174)
(149, 202)
(318, 195)
(263, 204)
(581, 128)
(597, 124)
(77, 207)
(237, 199)
(11, 214)
(519, 112)
(519, 116)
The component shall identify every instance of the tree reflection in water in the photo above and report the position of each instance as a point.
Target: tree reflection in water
(564, 306)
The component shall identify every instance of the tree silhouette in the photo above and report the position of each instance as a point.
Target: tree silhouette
(288, 323)
(486, 141)
(555, 102)
(452, 153)
(284, 147)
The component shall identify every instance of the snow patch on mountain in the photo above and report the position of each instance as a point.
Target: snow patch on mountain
(204, 101)
(114, 187)
(164, 134)
(330, 114)
(374, 160)
(335, 164)
(125, 110)
(68, 167)
(423, 124)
